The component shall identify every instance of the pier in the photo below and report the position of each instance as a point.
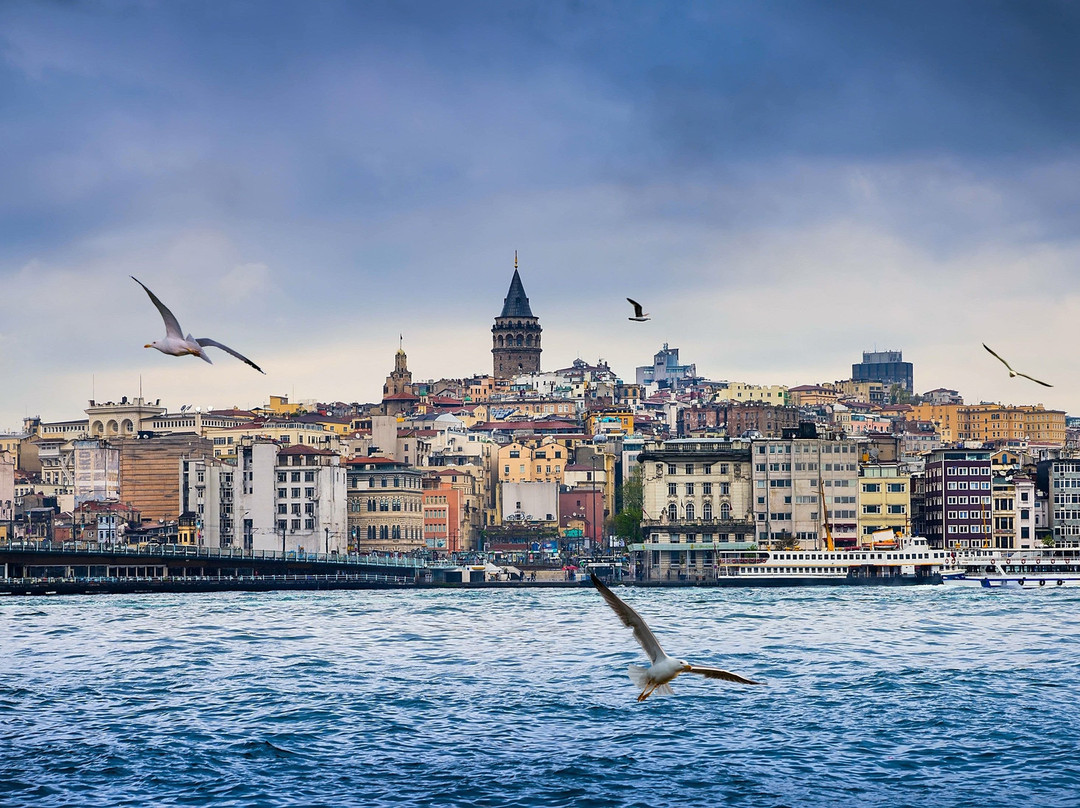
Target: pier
(33, 567)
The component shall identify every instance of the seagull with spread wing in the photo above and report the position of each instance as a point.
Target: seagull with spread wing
(176, 344)
(639, 315)
(655, 679)
(1012, 372)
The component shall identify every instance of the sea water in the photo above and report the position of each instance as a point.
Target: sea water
(919, 696)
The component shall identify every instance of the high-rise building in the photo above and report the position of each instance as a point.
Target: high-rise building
(515, 337)
(1065, 501)
(666, 370)
(887, 367)
(958, 498)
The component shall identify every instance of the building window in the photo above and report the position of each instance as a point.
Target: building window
(690, 511)
(672, 489)
(673, 512)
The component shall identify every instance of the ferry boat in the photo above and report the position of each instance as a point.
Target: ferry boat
(897, 561)
(1028, 569)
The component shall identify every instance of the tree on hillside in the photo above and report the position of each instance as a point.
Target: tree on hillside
(627, 522)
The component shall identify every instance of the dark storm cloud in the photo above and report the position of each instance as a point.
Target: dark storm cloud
(694, 152)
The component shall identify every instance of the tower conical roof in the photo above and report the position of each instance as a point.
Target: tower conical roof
(516, 304)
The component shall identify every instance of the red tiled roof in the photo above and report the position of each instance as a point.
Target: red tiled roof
(373, 461)
(301, 449)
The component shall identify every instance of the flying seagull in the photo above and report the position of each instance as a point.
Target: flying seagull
(655, 679)
(639, 315)
(176, 344)
(1014, 372)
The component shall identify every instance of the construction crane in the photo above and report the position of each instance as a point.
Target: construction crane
(825, 517)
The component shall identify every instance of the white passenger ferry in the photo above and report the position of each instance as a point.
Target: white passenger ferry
(1024, 569)
(900, 560)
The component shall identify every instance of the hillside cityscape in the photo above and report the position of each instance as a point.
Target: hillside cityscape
(668, 467)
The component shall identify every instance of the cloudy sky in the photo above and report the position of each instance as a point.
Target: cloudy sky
(783, 184)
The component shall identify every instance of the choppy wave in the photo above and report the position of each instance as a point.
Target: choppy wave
(875, 697)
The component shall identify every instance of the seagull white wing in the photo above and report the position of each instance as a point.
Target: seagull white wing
(998, 358)
(1044, 384)
(716, 673)
(642, 633)
(206, 341)
(172, 327)
(637, 308)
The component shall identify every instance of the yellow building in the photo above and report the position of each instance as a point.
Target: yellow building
(279, 405)
(520, 463)
(868, 392)
(739, 391)
(601, 421)
(287, 433)
(884, 499)
(811, 395)
(993, 422)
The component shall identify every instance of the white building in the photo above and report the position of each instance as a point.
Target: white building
(789, 478)
(7, 492)
(1065, 502)
(290, 498)
(207, 490)
(96, 471)
(529, 502)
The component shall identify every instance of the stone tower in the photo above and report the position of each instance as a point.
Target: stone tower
(400, 379)
(515, 337)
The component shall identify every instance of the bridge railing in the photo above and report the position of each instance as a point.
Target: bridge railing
(180, 579)
(193, 551)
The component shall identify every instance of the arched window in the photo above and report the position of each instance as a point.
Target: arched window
(706, 511)
(371, 531)
(519, 340)
(371, 504)
(673, 512)
(689, 511)
(384, 532)
(725, 511)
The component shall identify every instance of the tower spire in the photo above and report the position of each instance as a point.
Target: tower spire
(515, 259)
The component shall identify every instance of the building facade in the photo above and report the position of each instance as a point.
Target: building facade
(958, 506)
(884, 499)
(696, 501)
(790, 477)
(887, 367)
(386, 506)
(1064, 502)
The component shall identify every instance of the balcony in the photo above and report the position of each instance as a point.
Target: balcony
(730, 525)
